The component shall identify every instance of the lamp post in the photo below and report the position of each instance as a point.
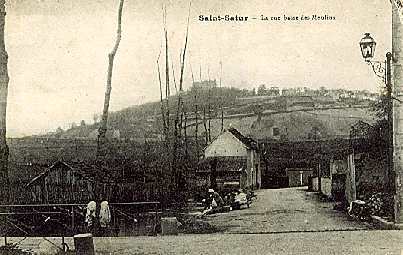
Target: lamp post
(382, 69)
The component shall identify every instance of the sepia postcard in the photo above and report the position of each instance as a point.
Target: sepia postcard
(201, 127)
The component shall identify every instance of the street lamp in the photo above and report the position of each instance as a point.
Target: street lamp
(382, 69)
(367, 45)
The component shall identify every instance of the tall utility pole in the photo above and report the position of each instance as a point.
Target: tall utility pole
(397, 47)
(3, 107)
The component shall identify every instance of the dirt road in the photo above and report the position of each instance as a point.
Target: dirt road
(285, 210)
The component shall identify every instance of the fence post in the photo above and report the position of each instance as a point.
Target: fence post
(72, 219)
(114, 220)
(5, 230)
(156, 218)
(84, 244)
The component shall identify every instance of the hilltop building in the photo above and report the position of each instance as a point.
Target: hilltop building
(204, 85)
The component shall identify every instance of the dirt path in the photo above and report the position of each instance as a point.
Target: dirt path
(285, 210)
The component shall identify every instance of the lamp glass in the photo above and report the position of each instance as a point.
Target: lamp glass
(367, 45)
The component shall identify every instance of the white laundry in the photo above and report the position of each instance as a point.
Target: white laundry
(104, 214)
(90, 215)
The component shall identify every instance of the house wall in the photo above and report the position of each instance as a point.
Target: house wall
(339, 166)
(339, 187)
(226, 145)
(306, 176)
(294, 178)
(351, 184)
(249, 165)
(258, 171)
(326, 186)
(346, 167)
(231, 170)
(315, 184)
(254, 178)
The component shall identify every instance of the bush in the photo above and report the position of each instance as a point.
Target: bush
(381, 204)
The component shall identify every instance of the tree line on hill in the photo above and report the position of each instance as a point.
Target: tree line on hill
(145, 120)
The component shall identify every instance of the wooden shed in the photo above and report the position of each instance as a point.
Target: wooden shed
(80, 182)
(69, 183)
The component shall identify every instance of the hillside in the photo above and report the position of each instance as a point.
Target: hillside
(293, 114)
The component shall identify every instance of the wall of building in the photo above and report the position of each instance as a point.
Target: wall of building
(253, 169)
(226, 145)
(326, 186)
(315, 184)
(258, 171)
(294, 178)
(341, 175)
(298, 177)
(339, 166)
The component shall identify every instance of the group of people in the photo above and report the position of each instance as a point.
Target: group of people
(98, 218)
(215, 204)
(237, 199)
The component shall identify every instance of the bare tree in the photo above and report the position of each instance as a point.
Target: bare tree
(173, 75)
(185, 133)
(3, 107)
(209, 105)
(205, 125)
(111, 57)
(164, 124)
(196, 117)
(180, 108)
(221, 99)
(167, 87)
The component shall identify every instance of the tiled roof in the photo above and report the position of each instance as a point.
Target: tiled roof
(249, 142)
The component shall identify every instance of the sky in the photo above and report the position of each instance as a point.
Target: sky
(58, 51)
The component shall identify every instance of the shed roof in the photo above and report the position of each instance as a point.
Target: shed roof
(86, 171)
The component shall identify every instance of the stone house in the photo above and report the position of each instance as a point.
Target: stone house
(232, 158)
